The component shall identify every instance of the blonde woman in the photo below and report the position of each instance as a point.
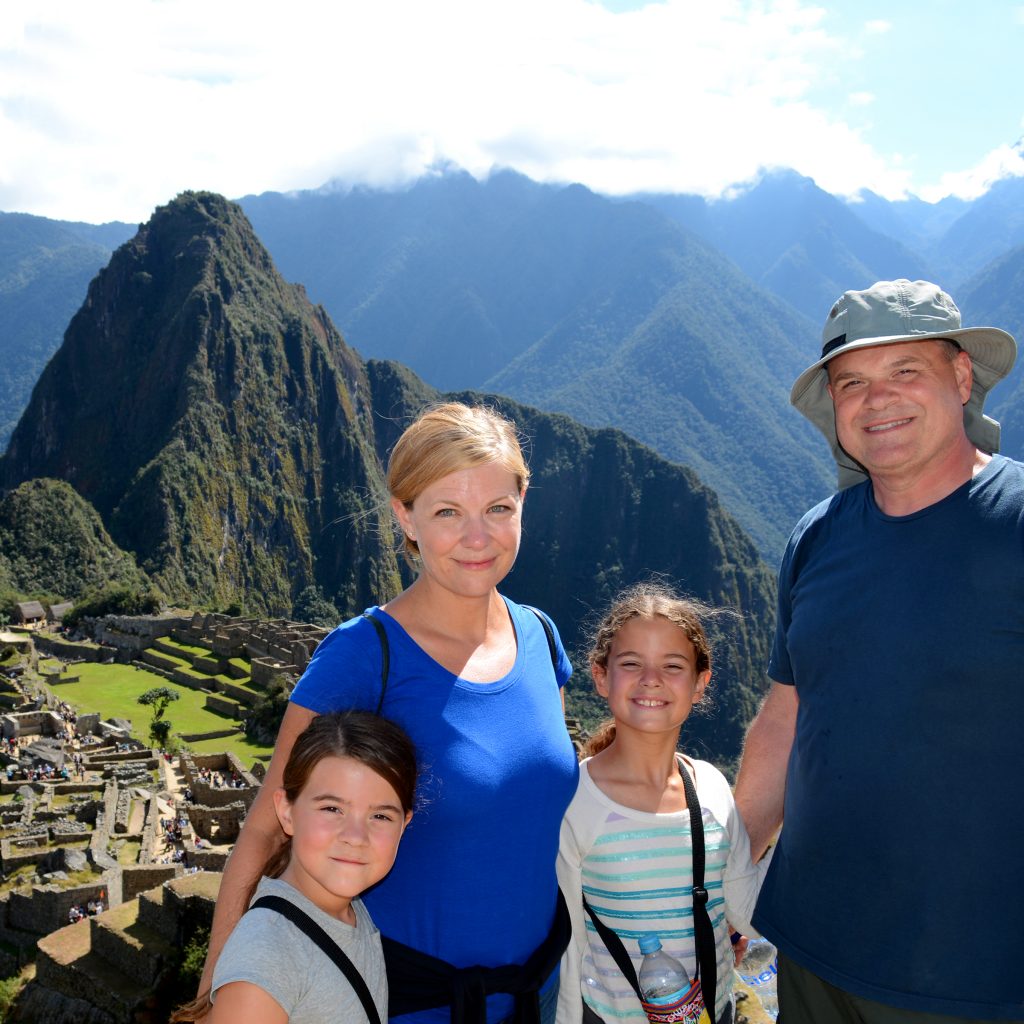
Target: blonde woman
(472, 920)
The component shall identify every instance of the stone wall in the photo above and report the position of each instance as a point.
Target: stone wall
(111, 756)
(133, 633)
(122, 811)
(138, 878)
(264, 669)
(22, 723)
(88, 723)
(217, 824)
(46, 907)
(71, 651)
(208, 860)
(225, 706)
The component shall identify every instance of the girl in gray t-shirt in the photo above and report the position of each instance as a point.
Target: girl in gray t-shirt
(346, 798)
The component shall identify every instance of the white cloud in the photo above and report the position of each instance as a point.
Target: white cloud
(878, 27)
(1003, 162)
(861, 99)
(108, 109)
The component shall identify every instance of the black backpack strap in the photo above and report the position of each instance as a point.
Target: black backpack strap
(703, 933)
(549, 635)
(614, 945)
(385, 656)
(316, 934)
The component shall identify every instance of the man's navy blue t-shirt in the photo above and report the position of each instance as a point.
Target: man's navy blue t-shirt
(896, 876)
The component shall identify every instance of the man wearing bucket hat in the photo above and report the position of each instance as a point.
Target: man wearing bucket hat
(890, 738)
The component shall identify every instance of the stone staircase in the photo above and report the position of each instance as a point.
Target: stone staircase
(116, 968)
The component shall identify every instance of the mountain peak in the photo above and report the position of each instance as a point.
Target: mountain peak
(194, 402)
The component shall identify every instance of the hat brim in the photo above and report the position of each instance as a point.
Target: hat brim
(992, 351)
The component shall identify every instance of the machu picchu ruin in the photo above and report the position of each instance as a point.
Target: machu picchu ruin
(110, 848)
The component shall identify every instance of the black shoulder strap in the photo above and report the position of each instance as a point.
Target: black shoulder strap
(385, 656)
(614, 945)
(316, 934)
(549, 635)
(703, 933)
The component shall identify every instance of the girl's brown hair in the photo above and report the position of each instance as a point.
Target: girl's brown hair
(365, 737)
(647, 601)
(447, 438)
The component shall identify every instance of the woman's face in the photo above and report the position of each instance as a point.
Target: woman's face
(467, 526)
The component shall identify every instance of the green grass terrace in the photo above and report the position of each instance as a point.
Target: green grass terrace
(113, 691)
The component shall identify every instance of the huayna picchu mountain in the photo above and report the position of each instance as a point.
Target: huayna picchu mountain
(214, 418)
(233, 443)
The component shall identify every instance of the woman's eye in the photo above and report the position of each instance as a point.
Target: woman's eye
(445, 513)
(500, 508)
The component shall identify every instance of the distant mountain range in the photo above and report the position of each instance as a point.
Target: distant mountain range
(680, 320)
(225, 444)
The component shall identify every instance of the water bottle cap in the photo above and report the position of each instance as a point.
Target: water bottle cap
(649, 943)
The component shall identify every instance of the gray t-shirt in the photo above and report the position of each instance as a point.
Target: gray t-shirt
(267, 950)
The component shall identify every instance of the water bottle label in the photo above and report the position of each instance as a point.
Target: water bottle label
(765, 977)
(683, 1007)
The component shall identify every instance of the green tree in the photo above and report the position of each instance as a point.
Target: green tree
(263, 721)
(312, 606)
(159, 698)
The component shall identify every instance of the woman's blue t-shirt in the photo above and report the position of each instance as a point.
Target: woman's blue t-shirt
(474, 880)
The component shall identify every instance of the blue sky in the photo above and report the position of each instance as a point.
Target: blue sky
(110, 108)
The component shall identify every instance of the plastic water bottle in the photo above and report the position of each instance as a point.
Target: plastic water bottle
(759, 968)
(664, 984)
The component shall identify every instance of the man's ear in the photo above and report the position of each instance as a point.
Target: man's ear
(963, 371)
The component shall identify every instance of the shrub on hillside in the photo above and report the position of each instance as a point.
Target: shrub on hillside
(117, 599)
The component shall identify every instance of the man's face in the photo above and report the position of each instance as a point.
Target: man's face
(899, 407)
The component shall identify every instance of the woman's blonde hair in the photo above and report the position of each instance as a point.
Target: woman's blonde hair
(445, 439)
(647, 601)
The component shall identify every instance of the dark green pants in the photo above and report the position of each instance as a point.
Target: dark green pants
(805, 999)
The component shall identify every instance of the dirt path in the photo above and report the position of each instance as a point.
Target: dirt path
(173, 778)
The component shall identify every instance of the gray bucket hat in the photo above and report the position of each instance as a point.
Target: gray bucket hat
(890, 312)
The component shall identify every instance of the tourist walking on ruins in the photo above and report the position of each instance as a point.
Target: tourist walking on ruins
(650, 828)
(475, 680)
(345, 798)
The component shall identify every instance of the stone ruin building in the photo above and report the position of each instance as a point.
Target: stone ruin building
(130, 838)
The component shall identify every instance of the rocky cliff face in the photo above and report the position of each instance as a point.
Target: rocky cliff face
(215, 419)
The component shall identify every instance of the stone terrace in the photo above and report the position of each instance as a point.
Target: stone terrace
(115, 968)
